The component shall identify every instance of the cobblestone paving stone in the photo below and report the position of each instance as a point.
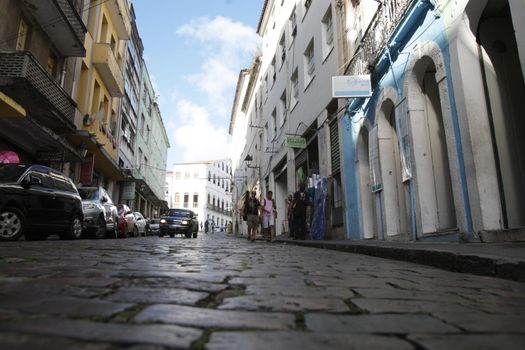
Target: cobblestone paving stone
(222, 292)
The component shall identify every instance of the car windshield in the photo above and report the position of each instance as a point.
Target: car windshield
(88, 193)
(154, 221)
(10, 173)
(179, 213)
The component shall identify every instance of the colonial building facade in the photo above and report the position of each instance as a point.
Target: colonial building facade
(66, 102)
(434, 153)
(205, 188)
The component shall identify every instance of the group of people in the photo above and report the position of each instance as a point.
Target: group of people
(264, 213)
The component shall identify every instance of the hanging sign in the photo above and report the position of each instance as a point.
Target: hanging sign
(351, 86)
(127, 191)
(86, 170)
(295, 141)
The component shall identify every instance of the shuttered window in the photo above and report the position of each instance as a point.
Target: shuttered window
(334, 147)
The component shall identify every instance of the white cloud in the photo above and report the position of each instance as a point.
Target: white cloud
(226, 45)
(198, 130)
(231, 37)
(195, 136)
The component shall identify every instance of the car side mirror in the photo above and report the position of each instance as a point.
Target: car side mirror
(26, 183)
(31, 181)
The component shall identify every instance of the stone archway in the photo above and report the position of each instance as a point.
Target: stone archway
(367, 206)
(437, 179)
(395, 217)
(504, 89)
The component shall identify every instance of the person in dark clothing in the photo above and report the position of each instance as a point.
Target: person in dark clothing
(251, 210)
(299, 206)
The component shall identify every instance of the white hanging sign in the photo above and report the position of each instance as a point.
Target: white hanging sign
(351, 86)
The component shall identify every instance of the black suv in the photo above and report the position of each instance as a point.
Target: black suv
(36, 201)
(179, 221)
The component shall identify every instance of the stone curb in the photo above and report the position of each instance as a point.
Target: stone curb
(452, 261)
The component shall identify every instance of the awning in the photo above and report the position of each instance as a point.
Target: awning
(103, 161)
(28, 135)
(9, 107)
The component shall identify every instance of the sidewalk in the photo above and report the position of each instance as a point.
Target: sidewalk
(502, 260)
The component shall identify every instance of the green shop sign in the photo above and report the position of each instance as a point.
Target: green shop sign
(295, 142)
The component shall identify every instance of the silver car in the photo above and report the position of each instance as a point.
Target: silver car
(100, 214)
(140, 223)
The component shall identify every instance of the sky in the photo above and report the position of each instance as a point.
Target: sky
(194, 51)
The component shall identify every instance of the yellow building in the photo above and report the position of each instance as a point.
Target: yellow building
(100, 87)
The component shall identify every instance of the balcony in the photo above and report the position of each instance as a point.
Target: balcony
(120, 17)
(24, 80)
(60, 20)
(106, 64)
(377, 35)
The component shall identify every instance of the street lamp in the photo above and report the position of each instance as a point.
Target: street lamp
(248, 159)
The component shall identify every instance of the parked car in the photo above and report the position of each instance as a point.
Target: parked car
(140, 223)
(153, 227)
(126, 222)
(36, 201)
(100, 214)
(179, 221)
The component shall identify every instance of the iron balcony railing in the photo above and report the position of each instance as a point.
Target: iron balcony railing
(73, 17)
(381, 28)
(24, 79)
(61, 21)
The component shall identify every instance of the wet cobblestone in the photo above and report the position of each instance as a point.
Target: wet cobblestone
(222, 292)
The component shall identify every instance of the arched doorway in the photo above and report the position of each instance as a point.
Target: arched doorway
(368, 217)
(504, 89)
(395, 212)
(434, 185)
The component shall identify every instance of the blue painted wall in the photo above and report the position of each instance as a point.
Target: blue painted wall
(422, 24)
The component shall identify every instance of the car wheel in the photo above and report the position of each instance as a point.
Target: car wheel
(12, 224)
(194, 234)
(188, 234)
(74, 230)
(136, 232)
(172, 235)
(100, 232)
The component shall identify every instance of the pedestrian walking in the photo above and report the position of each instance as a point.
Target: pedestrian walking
(299, 207)
(251, 210)
(269, 214)
(206, 226)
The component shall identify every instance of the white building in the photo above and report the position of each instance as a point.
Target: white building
(287, 92)
(204, 187)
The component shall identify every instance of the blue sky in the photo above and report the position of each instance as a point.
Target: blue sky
(194, 51)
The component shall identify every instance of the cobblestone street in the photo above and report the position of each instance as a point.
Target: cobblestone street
(222, 292)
